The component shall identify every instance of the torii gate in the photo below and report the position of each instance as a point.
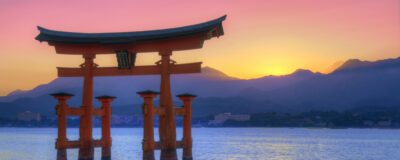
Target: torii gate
(126, 45)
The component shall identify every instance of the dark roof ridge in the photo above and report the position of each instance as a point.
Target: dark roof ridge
(127, 37)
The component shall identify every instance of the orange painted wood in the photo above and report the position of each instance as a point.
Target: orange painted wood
(61, 111)
(70, 72)
(75, 111)
(98, 112)
(148, 133)
(86, 150)
(180, 144)
(158, 111)
(166, 111)
(106, 122)
(77, 144)
(187, 127)
(159, 145)
(187, 120)
(148, 126)
(62, 123)
(62, 154)
(98, 143)
(73, 144)
(185, 68)
(174, 44)
(137, 70)
(167, 127)
(179, 111)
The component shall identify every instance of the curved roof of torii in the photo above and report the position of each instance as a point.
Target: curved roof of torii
(130, 37)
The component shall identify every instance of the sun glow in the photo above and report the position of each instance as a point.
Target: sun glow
(277, 71)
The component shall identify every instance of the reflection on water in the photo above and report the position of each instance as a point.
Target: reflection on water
(221, 144)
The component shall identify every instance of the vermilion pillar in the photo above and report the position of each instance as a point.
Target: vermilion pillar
(187, 125)
(86, 150)
(167, 128)
(148, 127)
(105, 126)
(61, 111)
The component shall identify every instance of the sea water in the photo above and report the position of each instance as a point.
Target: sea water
(220, 144)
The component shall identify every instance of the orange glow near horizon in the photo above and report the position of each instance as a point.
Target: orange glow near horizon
(262, 37)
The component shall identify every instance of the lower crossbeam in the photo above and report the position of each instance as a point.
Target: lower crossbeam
(159, 145)
(77, 144)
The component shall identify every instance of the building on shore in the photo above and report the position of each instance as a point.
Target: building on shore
(220, 119)
(28, 116)
(386, 123)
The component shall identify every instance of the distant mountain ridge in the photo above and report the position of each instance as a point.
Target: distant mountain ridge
(216, 74)
(356, 64)
(16, 92)
(355, 83)
(353, 64)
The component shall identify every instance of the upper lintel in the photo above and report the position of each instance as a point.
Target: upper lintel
(211, 28)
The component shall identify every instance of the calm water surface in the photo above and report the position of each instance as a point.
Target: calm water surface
(221, 144)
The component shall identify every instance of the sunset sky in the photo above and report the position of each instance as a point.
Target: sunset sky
(262, 37)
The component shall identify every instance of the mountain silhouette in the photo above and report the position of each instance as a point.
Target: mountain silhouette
(355, 83)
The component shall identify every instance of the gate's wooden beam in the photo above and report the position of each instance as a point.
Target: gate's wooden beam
(137, 70)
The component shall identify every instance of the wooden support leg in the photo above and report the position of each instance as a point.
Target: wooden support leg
(148, 127)
(187, 154)
(168, 154)
(187, 125)
(167, 122)
(61, 111)
(86, 151)
(148, 154)
(62, 154)
(106, 153)
(105, 126)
